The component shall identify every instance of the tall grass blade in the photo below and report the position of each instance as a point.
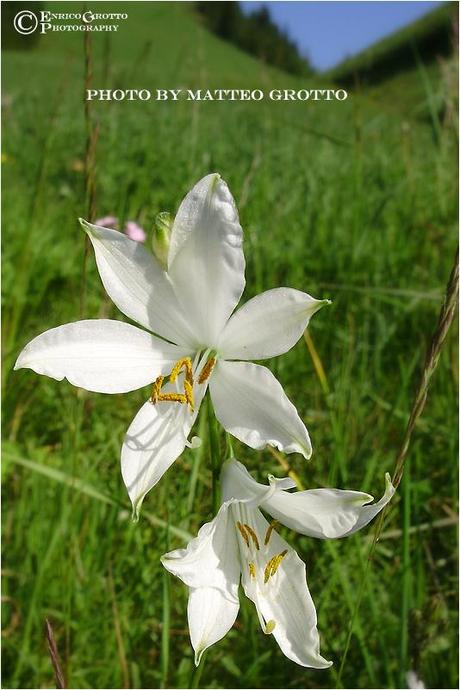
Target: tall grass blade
(446, 317)
(54, 655)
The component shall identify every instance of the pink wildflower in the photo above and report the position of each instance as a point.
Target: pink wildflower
(107, 222)
(134, 231)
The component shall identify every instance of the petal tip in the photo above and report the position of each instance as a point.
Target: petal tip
(136, 510)
(93, 231)
(199, 654)
(389, 487)
(323, 303)
(306, 451)
(88, 228)
(194, 443)
(21, 362)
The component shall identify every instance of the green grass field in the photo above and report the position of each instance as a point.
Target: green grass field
(355, 201)
(404, 43)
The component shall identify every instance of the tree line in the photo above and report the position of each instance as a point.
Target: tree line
(255, 33)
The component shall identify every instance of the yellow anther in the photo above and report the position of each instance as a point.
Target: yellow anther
(277, 564)
(268, 569)
(186, 364)
(185, 397)
(252, 570)
(156, 388)
(243, 533)
(253, 535)
(270, 626)
(207, 370)
(269, 531)
(172, 397)
(188, 389)
(273, 565)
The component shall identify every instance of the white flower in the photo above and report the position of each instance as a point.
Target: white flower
(190, 307)
(239, 542)
(413, 681)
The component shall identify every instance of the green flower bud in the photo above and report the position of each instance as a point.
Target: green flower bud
(160, 238)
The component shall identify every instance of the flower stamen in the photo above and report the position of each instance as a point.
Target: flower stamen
(273, 565)
(185, 397)
(184, 363)
(188, 390)
(253, 535)
(156, 388)
(243, 533)
(172, 397)
(252, 570)
(277, 564)
(269, 531)
(207, 370)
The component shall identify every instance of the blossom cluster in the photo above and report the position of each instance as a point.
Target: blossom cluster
(190, 342)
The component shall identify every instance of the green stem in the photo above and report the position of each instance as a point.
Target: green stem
(197, 672)
(406, 573)
(229, 453)
(165, 634)
(215, 459)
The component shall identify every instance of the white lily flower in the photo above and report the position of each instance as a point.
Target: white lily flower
(239, 542)
(188, 303)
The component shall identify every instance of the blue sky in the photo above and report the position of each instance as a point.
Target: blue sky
(328, 32)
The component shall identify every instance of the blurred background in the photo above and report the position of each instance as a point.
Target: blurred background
(353, 200)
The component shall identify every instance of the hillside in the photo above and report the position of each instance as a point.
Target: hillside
(426, 40)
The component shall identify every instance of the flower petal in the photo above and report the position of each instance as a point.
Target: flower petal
(282, 599)
(100, 355)
(206, 260)
(238, 484)
(211, 614)
(211, 558)
(210, 566)
(268, 325)
(326, 513)
(137, 284)
(156, 437)
(251, 404)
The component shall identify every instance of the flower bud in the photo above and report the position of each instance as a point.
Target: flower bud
(161, 235)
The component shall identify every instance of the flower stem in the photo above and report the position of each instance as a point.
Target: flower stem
(196, 673)
(165, 633)
(92, 134)
(54, 655)
(215, 459)
(228, 446)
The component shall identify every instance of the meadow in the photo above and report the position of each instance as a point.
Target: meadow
(355, 201)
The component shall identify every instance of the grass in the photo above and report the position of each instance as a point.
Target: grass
(355, 201)
(429, 29)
